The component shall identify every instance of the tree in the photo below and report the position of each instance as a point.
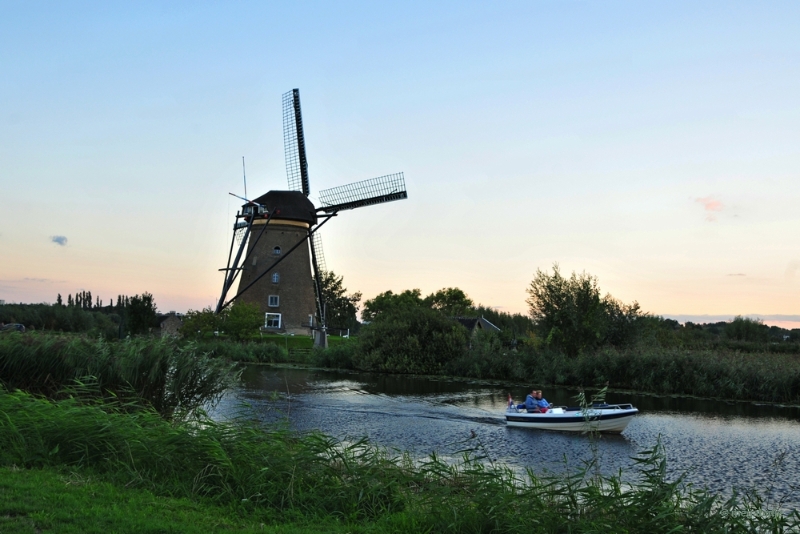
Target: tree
(388, 301)
(242, 320)
(142, 313)
(411, 339)
(59, 302)
(568, 312)
(340, 308)
(746, 329)
(451, 302)
(199, 323)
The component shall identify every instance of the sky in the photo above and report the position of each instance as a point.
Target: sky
(654, 145)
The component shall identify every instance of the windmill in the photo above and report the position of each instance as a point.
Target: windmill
(278, 252)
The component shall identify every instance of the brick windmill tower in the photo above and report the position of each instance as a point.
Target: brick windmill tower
(281, 266)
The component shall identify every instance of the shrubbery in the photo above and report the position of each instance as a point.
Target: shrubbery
(410, 340)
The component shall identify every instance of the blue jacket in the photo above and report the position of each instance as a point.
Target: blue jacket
(531, 403)
(543, 403)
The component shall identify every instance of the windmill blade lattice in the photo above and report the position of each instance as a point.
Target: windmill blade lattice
(365, 193)
(294, 143)
(316, 243)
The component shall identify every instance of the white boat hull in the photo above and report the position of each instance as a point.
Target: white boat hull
(609, 418)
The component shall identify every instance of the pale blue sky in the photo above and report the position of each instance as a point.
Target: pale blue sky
(655, 145)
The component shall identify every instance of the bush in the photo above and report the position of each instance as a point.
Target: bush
(247, 352)
(410, 340)
(339, 356)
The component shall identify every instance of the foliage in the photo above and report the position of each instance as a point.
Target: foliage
(388, 301)
(142, 314)
(570, 313)
(339, 356)
(257, 471)
(450, 301)
(513, 325)
(764, 376)
(152, 372)
(340, 308)
(200, 323)
(242, 320)
(746, 329)
(249, 352)
(61, 319)
(410, 340)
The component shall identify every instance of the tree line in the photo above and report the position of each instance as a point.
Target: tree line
(131, 315)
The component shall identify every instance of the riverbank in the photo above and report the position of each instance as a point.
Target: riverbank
(248, 475)
(125, 414)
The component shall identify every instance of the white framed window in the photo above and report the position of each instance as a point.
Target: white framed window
(276, 277)
(272, 320)
(276, 251)
(273, 301)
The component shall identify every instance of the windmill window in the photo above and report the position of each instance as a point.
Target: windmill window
(276, 278)
(273, 301)
(276, 251)
(272, 320)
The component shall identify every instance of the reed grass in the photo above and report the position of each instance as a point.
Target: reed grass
(157, 372)
(256, 470)
(720, 373)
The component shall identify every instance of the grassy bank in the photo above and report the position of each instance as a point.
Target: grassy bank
(272, 476)
(63, 501)
(121, 419)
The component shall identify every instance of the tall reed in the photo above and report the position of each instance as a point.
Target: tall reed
(765, 376)
(155, 371)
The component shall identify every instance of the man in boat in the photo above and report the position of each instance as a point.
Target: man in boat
(532, 402)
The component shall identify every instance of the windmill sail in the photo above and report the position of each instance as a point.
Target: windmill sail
(294, 143)
(316, 245)
(365, 193)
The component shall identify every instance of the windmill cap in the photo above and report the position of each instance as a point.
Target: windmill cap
(289, 205)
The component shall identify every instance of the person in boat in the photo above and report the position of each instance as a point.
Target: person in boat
(541, 402)
(532, 402)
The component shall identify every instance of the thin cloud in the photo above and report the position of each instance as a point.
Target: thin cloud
(710, 206)
(736, 274)
(60, 240)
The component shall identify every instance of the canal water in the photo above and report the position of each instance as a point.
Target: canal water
(718, 445)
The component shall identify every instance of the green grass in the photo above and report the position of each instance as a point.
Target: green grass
(63, 501)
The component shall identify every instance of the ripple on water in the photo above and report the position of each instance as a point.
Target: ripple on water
(720, 446)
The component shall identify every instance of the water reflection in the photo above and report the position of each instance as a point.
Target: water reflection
(721, 445)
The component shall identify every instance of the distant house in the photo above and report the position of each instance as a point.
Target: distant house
(476, 324)
(170, 323)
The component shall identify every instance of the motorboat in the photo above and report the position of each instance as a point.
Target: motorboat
(609, 418)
